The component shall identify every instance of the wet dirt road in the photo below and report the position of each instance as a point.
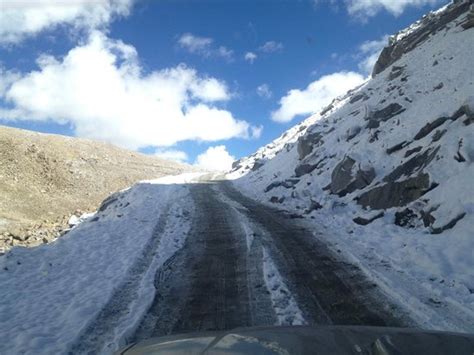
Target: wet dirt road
(217, 280)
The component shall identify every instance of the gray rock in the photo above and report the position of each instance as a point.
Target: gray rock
(429, 127)
(469, 23)
(406, 218)
(315, 205)
(288, 183)
(352, 132)
(326, 109)
(438, 134)
(388, 112)
(276, 199)
(360, 96)
(384, 115)
(412, 151)
(396, 147)
(307, 142)
(272, 186)
(365, 221)
(415, 164)
(448, 225)
(438, 87)
(304, 169)
(257, 165)
(396, 72)
(236, 165)
(427, 218)
(344, 180)
(429, 26)
(395, 194)
(341, 176)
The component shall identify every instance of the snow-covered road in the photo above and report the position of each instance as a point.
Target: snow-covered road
(89, 289)
(176, 255)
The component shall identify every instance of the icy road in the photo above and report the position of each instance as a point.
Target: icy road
(177, 255)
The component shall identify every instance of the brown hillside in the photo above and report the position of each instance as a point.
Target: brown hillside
(45, 178)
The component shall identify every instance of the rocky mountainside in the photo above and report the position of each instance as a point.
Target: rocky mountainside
(389, 165)
(402, 143)
(44, 179)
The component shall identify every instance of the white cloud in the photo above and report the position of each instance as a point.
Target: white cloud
(250, 57)
(20, 19)
(370, 51)
(316, 95)
(224, 52)
(100, 89)
(215, 158)
(271, 46)
(256, 131)
(210, 89)
(368, 8)
(195, 44)
(172, 154)
(264, 91)
(203, 46)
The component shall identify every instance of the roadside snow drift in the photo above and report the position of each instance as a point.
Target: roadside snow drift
(86, 291)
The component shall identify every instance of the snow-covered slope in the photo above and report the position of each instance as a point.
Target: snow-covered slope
(87, 291)
(388, 168)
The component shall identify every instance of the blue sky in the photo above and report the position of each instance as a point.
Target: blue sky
(202, 81)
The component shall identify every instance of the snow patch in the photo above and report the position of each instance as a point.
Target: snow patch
(284, 304)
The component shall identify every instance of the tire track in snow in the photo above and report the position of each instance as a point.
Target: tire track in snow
(284, 304)
(327, 289)
(125, 309)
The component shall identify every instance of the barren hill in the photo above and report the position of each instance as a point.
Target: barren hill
(45, 178)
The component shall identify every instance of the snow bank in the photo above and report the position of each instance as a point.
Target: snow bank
(51, 295)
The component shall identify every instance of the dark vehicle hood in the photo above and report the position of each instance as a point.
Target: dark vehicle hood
(309, 340)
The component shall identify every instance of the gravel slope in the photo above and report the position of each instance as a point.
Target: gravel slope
(45, 178)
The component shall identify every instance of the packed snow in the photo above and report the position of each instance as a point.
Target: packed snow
(425, 102)
(285, 305)
(56, 294)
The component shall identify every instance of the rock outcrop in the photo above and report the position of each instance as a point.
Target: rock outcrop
(395, 194)
(407, 40)
(348, 177)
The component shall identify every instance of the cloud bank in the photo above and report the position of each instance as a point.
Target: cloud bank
(316, 95)
(100, 89)
(203, 46)
(215, 158)
(271, 47)
(22, 19)
(369, 8)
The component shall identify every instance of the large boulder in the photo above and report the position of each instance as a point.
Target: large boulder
(415, 164)
(383, 115)
(395, 194)
(345, 179)
(304, 169)
(258, 164)
(306, 144)
(237, 164)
